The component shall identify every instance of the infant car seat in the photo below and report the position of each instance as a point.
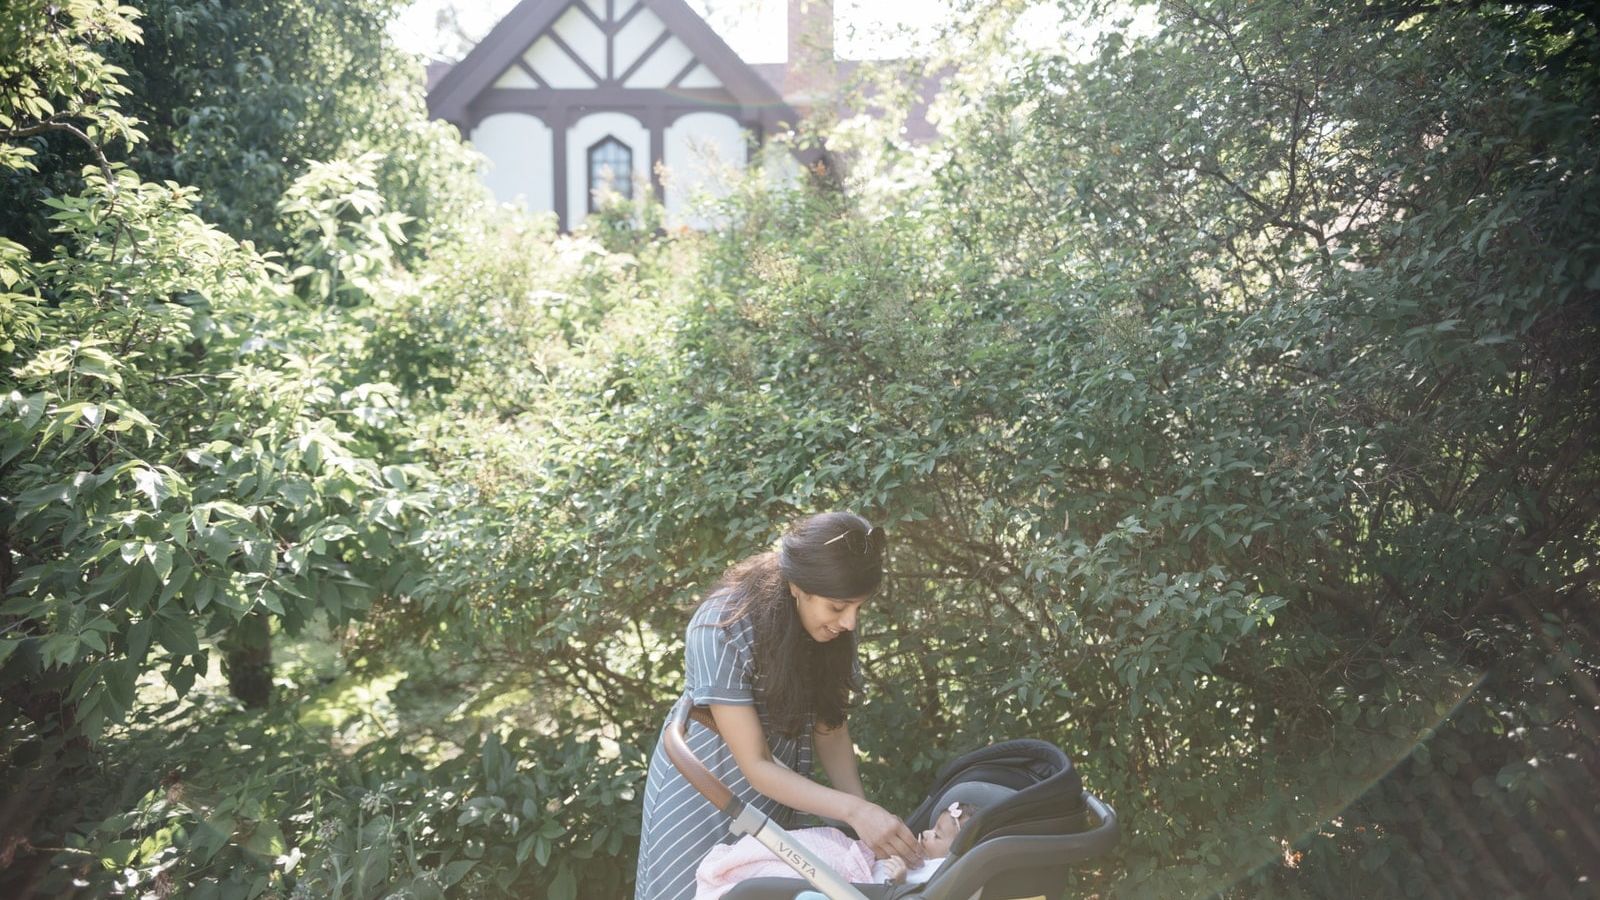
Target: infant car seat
(1034, 822)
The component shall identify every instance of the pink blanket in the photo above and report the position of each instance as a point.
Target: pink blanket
(729, 864)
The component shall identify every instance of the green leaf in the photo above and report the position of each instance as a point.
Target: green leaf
(122, 678)
(205, 591)
(59, 650)
(177, 635)
(150, 483)
(29, 408)
(565, 885)
(181, 678)
(118, 854)
(229, 508)
(311, 453)
(525, 847)
(138, 639)
(96, 363)
(491, 757)
(180, 577)
(160, 556)
(266, 840)
(33, 500)
(454, 872)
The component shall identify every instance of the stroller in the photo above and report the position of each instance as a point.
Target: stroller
(1035, 821)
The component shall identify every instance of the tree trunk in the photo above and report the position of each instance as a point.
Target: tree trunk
(247, 660)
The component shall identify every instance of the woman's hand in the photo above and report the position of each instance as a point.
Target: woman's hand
(884, 833)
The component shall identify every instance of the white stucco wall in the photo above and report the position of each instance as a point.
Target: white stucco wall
(584, 37)
(658, 70)
(636, 37)
(585, 133)
(700, 150)
(521, 152)
(515, 77)
(554, 65)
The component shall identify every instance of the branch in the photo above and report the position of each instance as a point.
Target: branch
(44, 127)
(1218, 23)
(1272, 216)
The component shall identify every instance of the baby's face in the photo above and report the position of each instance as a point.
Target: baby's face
(936, 841)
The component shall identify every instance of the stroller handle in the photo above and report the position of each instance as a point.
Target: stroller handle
(684, 760)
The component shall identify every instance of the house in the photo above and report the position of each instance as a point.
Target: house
(570, 99)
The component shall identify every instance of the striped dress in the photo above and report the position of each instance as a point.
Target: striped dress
(680, 826)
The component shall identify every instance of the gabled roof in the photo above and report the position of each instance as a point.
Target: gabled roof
(514, 34)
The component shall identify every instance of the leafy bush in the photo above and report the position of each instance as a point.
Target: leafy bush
(249, 803)
(240, 100)
(1241, 448)
(1224, 391)
(184, 458)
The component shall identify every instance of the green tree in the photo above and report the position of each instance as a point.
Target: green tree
(182, 454)
(62, 99)
(238, 100)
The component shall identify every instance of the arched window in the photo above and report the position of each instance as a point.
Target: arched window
(610, 169)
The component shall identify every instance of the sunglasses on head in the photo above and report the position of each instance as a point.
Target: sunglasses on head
(860, 541)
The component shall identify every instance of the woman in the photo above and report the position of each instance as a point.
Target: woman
(772, 653)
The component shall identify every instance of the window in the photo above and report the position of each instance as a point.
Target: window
(610, 170)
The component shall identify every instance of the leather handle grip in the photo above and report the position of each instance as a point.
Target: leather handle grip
(684, 760)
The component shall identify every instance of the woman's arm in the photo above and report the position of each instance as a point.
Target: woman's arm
(740, 727)
(741, 730)
(837, 753)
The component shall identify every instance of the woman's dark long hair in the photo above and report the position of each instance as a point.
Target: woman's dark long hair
(838, 555)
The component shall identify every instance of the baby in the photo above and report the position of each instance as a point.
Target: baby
(729, 864)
